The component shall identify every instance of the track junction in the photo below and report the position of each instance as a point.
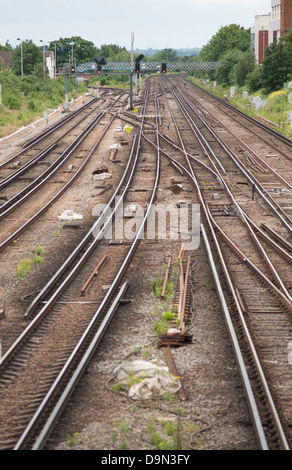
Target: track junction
(195, 150)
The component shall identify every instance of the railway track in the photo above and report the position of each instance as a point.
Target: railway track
(30, 153)
(250, 260)
(75, 155)
(258, 304)
(87, 334)
(256, 161)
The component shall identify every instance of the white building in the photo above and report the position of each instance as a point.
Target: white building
(276, 20)
(50, 62)
(261, 36)
(271, 27)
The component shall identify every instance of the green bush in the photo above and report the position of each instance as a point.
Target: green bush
(254, 80)
(31, 105)
(12, 102)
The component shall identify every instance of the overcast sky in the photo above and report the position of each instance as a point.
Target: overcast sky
(157, 24)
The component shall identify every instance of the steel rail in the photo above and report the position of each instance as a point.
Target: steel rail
(46, 430)
(18, 199)
(274, 203)
(243, 216)
(47, 132)
(268, 129)
(62, 190)
(43, 153)
(244, 144)
(16, 174)
(78, 249)
(286, 301)
(96, 227)
(246, 382)
(258, 187)
(236, 347)
(11, 351)
(40, 137)
(204, 144)
(241, 212)
(250, 396)
(83, 243)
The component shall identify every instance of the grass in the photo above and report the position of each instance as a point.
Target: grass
(20, 109)
(25, 265)
(23, 268)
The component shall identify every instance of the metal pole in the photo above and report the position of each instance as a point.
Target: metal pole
(44, 59)
(55, 60)
(131, 90)
(21, 56)
(66, 93)
(132, 47)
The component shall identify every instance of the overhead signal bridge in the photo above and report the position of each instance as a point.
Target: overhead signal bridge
(145, 67)
(100, 65)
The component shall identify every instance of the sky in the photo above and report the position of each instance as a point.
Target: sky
(156, 24)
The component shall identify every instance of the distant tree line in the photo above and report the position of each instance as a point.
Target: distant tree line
(230, 46)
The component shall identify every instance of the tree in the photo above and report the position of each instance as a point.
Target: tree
(244, 66)
(277, 65)
(32, 55)
(167, 55)
(81, 49)
(254, 80)
(7, 47)
(227, 38)
(114, 53)
(225, 72)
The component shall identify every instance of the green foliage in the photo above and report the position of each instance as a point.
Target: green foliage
(167, 55)
(231, 47)
(73, 440)
(7, 47)
(83, 50)
(277, 65)
(11, 102)
(160, 327)
(227, 38)
(224, 73)
(31, 54)
(23, 268)
(254, 80)
(244, 66)
(31, 95)
(113, 53)
(277, 101)
(157, 285)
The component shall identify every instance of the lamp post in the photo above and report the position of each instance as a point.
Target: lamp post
(132, 46)
(21, 56)
(55, 59)
(44, 58)
(72, 44)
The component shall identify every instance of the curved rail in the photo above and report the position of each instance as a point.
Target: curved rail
(77, 356)
(47, 132)
(40, 441)
(258, 425)
(268, 129)
(258, 187)
(63, 189)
